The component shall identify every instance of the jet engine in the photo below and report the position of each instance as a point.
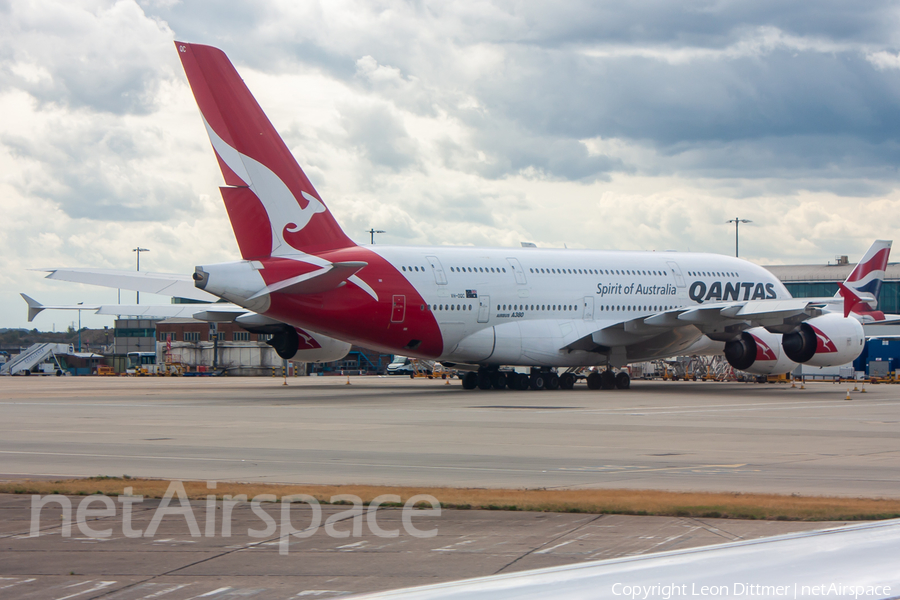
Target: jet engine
(826, 341)
(295, 343)
(286, 342)
(759, 352)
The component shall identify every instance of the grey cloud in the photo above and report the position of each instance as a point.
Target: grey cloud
(506, 149)
(79, 58)
(96, 173)
(784, 108)
(706, 23)
(644, 99)
(380, 135)
(455, 207)
(257, 35)
(546, 94)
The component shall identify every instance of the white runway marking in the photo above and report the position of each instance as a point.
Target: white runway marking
(552, 548)
(97, 587)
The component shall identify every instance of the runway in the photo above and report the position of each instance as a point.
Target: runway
(658, 435)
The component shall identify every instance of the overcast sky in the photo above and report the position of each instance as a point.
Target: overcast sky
(639, 125)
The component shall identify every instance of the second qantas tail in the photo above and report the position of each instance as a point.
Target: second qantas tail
(273, 207)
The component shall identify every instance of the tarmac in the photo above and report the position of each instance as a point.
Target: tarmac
(697, 436)
(173, 565)
(396, 431)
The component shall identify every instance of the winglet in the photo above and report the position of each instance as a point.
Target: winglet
(34, 307)
(851, 299)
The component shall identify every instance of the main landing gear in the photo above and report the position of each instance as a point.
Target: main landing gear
(542, 379)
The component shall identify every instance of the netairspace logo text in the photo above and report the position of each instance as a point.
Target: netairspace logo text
(681, 590)
(284, 529)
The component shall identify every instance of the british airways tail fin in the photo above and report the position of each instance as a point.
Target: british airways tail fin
(273, 207)
(862, 288)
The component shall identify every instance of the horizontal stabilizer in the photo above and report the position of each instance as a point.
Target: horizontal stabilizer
(161, 311)
(150, 311)
(315, 282)
(218, 315)
(34, 307)
(166, 284)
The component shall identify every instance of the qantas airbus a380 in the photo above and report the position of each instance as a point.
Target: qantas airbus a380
(489, 307)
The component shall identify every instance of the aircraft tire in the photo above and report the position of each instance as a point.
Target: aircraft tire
(522, 381)
(484, 380)
(623, 380)
(470, 380)
(608, 380)
(594, 381)
(567, 381)
(538, 381)
(552, 381)
(498, 380)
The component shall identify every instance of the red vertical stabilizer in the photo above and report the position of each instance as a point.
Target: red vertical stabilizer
(274, 210)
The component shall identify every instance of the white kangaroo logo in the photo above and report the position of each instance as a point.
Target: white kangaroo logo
(280, 204)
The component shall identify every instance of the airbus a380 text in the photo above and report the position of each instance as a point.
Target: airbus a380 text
(303, 280)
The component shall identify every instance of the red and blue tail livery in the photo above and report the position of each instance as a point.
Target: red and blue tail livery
(864, 283)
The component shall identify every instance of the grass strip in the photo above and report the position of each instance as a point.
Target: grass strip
(623, 502)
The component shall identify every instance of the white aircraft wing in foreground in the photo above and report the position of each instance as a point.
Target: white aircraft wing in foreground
(858, 562)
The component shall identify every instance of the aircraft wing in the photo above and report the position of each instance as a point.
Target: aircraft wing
(861, 558)
(218, 311)
(166, 284)
(717, 320)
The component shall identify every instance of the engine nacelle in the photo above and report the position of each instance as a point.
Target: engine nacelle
(300, 345)
(759, 352)
(826, 341)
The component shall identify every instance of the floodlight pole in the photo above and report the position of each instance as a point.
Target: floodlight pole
(79, 327)
(372, 233)
(138, 250)
(737, 223)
